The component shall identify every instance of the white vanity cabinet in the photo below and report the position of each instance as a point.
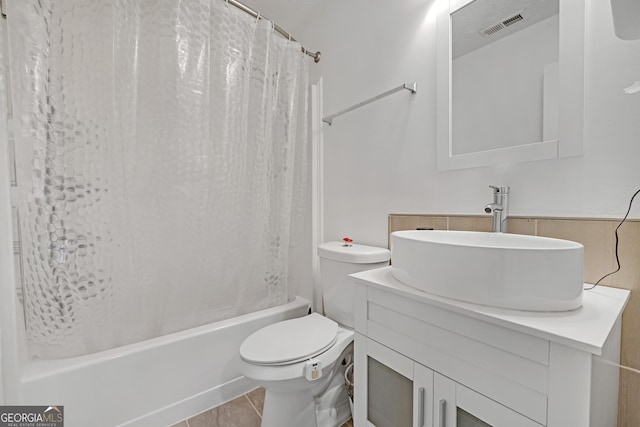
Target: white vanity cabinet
(394, 390)
(425, 361)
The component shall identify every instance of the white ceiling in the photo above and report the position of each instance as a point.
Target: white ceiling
(288, 14)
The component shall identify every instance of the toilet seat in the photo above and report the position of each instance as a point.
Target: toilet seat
(290, 341)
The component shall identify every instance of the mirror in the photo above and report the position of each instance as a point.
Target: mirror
(510, 81)
(504, 73)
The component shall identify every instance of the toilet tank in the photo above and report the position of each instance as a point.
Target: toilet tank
(337, 261)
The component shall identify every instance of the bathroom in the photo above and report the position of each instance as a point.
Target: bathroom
(382, 159)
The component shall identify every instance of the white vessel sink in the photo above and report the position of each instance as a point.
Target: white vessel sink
(496, 269)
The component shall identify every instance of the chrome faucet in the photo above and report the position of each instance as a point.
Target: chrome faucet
(499, 208)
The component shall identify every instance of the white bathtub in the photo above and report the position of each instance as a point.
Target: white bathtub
(153, 383)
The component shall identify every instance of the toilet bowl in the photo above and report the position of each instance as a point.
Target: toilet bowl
(301, 362)
(298, 368)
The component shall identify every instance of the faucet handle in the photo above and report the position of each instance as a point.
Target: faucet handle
(500, 189)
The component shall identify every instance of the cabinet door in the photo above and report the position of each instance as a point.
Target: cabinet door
(390, 389)
(458, 406)
(422, 395)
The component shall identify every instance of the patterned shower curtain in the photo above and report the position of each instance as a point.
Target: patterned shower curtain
(162, 152)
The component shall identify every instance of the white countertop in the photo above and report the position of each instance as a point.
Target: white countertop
(586, 328)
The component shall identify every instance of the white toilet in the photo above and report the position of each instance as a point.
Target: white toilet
(301, 362)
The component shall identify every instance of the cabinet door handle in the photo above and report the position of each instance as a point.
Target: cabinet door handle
(443, 413)
(421, 407)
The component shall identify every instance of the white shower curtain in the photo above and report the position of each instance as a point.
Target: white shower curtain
(162, 148)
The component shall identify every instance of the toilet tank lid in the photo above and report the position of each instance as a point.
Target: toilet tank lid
(356, 254)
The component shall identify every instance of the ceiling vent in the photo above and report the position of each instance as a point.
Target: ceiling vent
(499, 26)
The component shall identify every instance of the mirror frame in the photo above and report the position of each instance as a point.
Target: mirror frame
(571, 97)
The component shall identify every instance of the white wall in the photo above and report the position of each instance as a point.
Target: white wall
(382, 157)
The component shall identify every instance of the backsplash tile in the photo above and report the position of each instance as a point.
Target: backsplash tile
(412, 222)
(470, 223)
(595, 235)
(522, 226)
(629, 252)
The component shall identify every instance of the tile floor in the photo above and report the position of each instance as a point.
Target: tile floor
(243, 411)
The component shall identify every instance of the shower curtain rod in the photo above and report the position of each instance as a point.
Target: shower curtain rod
(244, 8)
